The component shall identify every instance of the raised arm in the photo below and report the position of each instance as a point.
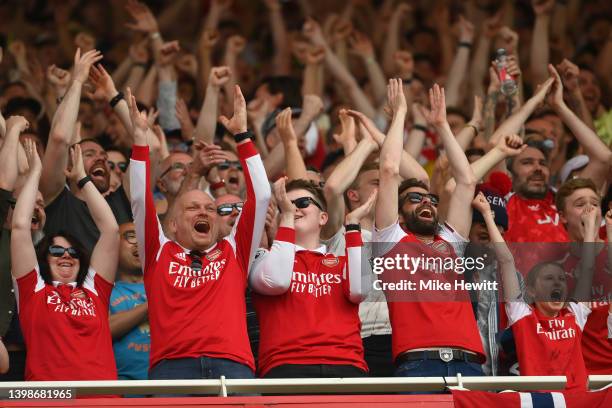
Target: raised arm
(23, 254)
(540, 48)
(591, 220)
(282, 56)
(341, 178)
(357, 291)
(460, 63)
(294, 163)
(514, 123)
(249, 227)
(233, 47)
(408, 166)
(62, 128)
(362, 46)
(339, 70)
(9, 150)
(393, 41)
(4, 358)
(207, 121)
(271, 272)
(390, 155)
(459, 212)
(148, 229)
(505, 260)
(121, 323)
(569, 74)
(480, 59)
(105, 254)
(600, 156)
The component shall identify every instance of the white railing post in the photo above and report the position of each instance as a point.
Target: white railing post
(223, 390)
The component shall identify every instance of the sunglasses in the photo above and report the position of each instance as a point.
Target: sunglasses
(174, 166)
(122, 165)
(227, 164)
(416, 198)
(227, 209)
(304, 202)
(59, 251)
(130, 236)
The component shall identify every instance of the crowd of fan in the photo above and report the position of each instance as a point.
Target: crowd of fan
(157, 223)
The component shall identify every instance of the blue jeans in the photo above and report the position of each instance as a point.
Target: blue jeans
(437, 368)
(197, 368)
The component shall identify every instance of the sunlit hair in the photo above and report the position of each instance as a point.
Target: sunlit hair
(312, 188)
(568, 188)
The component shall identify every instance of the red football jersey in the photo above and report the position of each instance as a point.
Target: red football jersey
(532, 220)
(67, 335)
(315, 321)
(199, 313)
(596, 348)
(550, 346)
(423, 324)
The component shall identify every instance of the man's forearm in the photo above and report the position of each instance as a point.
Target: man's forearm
(540, 49)
(207, 121)
(123, 322)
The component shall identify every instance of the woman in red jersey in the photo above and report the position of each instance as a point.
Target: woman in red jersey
(63, 296)
(307, 300)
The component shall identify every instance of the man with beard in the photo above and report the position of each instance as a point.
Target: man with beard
(432, 336)
(65, 204)
(531, 210)
(129, 323)
(10, 330)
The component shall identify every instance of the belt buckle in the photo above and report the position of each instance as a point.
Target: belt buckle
(446, 354)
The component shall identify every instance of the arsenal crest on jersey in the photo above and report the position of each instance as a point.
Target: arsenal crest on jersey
(79, 294)
(212, 255)
(442, 247)
(330, 262)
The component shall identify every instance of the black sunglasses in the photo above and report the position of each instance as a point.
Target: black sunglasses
(304, 202)
(122, 165)
(227, 209)
(58, 251)
(227, 164)
(416, 198)
(174, 166)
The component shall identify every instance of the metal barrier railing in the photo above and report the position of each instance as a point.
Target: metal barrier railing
(224, 387)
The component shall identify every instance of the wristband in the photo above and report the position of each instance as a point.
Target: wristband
(81, 183)
(465, 44)
(217, 185)
(471, 126)
(113, 102)
(352, 227)
(239, 137)
(420, 127)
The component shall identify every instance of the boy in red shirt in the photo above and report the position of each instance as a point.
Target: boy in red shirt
(307, 300)
(547, 331)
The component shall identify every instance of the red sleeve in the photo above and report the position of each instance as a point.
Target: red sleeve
(27, 285)
(247, 231)
(148, 230)
(354, 288)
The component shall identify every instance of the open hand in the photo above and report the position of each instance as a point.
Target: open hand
(34, 163)
(436, 116)
(83, 63)
(77, 171)
(285, 127)
(364, 210)
(280, 194)
(238, 123)
(144, 20)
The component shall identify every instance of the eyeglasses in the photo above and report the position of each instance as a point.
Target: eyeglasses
(304, 202)
(227, 209)
(58, 251)
(416, 198)
(130, 236)
(227, 164)
(122, 165)
(174, 166)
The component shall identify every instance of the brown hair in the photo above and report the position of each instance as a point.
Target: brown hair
(366, 167)
(312, 188)
(409, 183)
(568, 188)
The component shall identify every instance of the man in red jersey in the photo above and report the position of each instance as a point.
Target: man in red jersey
(531, 210)
(573, 199)
(196, 284)
(429, 338)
